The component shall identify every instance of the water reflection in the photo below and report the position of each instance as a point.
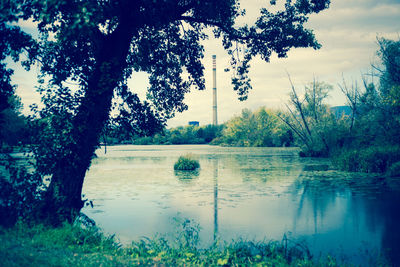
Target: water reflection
(387, 207)
(257, 193)
(187, 176)
(215, 176)
(363, 208)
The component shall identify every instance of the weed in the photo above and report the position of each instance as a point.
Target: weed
(74, 245)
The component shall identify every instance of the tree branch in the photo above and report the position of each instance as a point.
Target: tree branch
(233, 33)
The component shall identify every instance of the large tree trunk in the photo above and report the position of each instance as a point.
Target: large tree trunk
(63, 199)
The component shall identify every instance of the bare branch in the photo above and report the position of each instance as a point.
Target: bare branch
(299, 106)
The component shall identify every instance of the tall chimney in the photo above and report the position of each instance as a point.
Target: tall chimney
(215, 120)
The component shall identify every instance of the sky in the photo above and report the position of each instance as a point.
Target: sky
(347, 32)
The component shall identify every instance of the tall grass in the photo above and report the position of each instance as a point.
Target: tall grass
(72, 245)
(69, 245)
(371, 159)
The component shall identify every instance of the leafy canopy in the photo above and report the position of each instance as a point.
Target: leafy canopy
(164, 39)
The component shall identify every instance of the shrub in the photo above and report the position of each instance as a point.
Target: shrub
(371, 159)
(20, 192)
(186, 163)
(346, 160)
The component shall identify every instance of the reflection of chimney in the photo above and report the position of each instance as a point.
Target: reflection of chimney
(215, 163)
(215, 121)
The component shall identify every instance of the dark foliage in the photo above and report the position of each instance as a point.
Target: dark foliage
(20, 192)
(13, 43)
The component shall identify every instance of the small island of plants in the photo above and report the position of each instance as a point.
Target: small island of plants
(186, 163)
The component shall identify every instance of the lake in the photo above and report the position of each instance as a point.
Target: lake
(250, 193)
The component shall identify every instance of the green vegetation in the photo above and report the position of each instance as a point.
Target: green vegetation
(14, 129)
(259, 128)
(374, 136)
(367, 139)
(372, 142)
(117, 134)
(186, 163)
(87, 246)
(20, 192)
(317, 128)
(370, 159)
(64, 246)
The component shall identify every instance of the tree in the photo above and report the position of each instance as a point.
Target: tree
(376, 106)
(312, 121)
(373, 143)
(389, 53)
(99, 44)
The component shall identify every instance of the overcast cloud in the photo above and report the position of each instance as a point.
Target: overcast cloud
(347, 32)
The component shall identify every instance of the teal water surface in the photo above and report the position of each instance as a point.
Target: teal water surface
(250, 193)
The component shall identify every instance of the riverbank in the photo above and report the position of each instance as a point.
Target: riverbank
(80, 246)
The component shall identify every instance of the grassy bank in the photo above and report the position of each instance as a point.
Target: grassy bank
(77, 246)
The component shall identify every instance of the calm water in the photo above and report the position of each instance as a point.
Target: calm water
(251, 193)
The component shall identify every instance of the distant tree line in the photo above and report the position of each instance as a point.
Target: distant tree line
(261, 128)
(118, 134)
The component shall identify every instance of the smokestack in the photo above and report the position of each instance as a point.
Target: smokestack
(215, 120)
